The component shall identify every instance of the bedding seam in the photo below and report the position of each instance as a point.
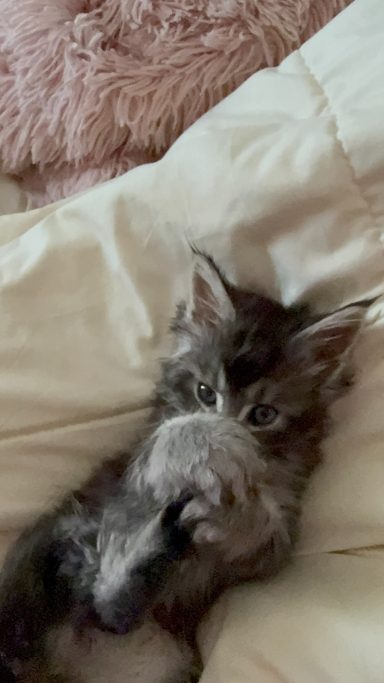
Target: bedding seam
(339, 140)
(73, 426)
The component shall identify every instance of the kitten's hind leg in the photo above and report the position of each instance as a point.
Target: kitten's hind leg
(6, 675)
(133, 569)
(34, 595)
(26, 604)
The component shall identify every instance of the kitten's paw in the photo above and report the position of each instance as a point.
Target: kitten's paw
(207, 533)
(197, 518)
(118, 619)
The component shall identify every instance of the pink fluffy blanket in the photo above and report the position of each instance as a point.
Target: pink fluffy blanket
(91, 88)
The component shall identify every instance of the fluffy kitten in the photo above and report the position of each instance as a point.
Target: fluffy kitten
(208, 496)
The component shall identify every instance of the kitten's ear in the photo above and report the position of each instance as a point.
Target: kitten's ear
(210, 302)
(322, 347)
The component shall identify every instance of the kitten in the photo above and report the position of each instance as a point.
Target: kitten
(208, 496)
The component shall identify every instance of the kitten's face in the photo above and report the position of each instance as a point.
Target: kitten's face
(240, 355)
(239, 369)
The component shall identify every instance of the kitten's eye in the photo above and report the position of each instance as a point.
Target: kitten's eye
(206, 395)
(262, 415)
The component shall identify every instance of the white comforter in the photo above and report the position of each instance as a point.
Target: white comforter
(284, 183)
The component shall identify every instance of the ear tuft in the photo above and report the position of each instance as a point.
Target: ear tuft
(210, 302)
(321, 347)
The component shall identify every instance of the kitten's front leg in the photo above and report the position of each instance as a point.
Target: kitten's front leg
(133, 568)
(254, 538)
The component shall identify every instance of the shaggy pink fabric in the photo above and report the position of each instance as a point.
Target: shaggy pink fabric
(91, 88)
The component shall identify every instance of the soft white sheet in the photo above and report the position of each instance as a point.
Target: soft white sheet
(284, 183)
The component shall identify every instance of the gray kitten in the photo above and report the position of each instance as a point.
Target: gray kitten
(208, 496)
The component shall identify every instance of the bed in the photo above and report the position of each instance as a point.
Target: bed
(284, 183)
